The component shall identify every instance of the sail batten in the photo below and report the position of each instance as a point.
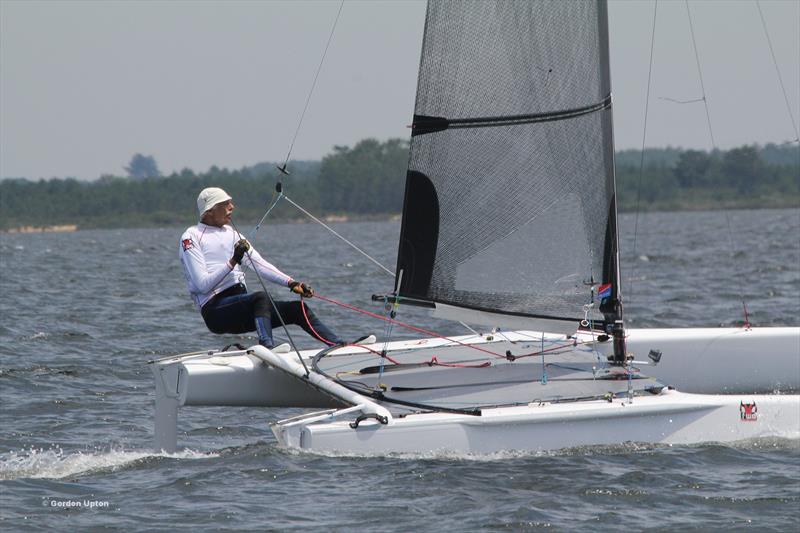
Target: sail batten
(423, 124)
(509, 201)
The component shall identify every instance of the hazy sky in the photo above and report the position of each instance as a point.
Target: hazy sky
(86, 84)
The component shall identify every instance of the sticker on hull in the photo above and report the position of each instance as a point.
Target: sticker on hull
(748, 412)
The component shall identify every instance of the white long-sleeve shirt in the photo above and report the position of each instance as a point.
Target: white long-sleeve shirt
(205, 252)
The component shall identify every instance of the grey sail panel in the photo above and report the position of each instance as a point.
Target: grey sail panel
(508, 58)
(509, 195)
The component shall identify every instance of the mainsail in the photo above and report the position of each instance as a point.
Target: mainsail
(510, 203)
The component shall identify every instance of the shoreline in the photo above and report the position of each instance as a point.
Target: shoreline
(60, 228)
(386, 217)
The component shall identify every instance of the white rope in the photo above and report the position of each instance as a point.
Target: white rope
(318, 221)
(700, 75)
(313, 85)
(470, 329)
(731, 244)
(778, 72)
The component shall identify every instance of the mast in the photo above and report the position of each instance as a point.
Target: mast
(612, 307)
(618, 327)
(618, 333)
(612, 311)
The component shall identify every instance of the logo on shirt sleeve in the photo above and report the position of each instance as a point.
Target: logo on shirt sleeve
(187, 243)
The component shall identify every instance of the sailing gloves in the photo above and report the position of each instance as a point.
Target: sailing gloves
(297, 287)
(239, 250)
(301, 288)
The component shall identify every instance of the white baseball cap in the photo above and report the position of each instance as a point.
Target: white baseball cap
(209, 197)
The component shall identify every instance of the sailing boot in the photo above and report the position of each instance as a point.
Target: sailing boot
(264, 328)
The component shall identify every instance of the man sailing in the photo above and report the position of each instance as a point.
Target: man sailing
(212, 253)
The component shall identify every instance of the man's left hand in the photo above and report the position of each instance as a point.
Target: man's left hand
(303, 289)
(241, 248)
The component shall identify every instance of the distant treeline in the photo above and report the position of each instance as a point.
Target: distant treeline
(368, 180)
(674, 179)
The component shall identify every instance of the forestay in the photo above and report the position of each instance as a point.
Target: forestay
(509, 203)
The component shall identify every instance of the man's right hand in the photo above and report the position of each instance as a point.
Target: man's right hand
(239, 250)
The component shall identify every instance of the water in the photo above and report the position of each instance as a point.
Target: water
(82, 312)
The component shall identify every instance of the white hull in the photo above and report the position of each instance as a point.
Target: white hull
(722, 360)
(669, 418)
(709, 360)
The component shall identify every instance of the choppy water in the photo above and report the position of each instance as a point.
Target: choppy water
(81, 313)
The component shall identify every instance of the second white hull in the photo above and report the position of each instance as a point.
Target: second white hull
(708, 360)
(668, 418)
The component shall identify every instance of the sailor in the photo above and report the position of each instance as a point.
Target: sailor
(212, 254)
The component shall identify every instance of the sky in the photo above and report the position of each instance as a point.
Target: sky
(84, 85)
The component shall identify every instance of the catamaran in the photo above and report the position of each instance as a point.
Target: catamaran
(509, 220)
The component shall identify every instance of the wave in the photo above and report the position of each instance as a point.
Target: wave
(54, 463)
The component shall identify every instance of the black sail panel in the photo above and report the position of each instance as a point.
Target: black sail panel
(418, 236)
(509, 196)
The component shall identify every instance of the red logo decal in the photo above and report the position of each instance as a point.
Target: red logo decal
(748, 411)
(187, 243)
